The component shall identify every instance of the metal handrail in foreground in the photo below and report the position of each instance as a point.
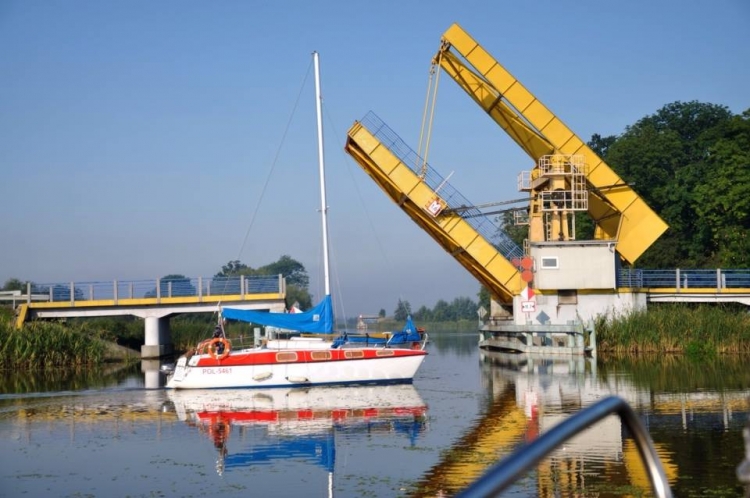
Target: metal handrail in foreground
(508, 470)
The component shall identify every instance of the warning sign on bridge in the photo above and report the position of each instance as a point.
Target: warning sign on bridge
(527, 294)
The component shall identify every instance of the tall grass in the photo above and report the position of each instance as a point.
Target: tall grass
(700, 331)
(48, 344)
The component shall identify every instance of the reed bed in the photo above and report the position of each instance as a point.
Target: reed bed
(48, 344)
(698, 331)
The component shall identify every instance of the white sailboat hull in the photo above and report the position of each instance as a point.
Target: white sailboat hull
(228, 374)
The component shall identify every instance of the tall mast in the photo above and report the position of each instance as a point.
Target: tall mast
(321, 163)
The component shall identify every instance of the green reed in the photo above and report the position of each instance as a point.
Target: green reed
(48, 344)
(698, 331)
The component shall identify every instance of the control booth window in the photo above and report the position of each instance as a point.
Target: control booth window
(550, 263)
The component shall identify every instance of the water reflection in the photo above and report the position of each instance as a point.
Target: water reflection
(23, 381)
(530, 394)
(299, 424)
(91, 432)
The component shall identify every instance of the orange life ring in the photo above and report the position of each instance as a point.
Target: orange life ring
(213, 348)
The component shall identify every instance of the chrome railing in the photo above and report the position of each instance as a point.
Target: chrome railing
(507, 471)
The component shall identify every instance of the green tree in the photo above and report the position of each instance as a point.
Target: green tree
(13, 284)
(600, 144)
(381, 313)
(173, 285)
(293, 271)
(666, 157)
(403, 310)
(233, 269)
(441, 311)
(423, 314)
(723, 200)
(484, 298)
(296, 294)
(463, 308)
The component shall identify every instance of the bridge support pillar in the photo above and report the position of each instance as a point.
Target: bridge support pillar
(158, 338)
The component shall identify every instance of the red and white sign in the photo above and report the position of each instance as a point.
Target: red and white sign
(435, 206)
(527, 294)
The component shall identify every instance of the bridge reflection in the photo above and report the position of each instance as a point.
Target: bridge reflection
(532, 394)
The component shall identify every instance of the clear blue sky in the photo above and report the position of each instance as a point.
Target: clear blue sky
(136, 137)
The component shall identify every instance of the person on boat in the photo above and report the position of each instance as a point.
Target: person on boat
(219, 334)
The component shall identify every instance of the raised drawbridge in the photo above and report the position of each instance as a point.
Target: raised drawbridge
(475, 240)
(568, 177)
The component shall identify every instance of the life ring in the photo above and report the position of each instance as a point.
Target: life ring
(213, 348)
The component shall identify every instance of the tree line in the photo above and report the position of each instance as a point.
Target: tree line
(461, 308)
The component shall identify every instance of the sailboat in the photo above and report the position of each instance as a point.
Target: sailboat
(300, 360)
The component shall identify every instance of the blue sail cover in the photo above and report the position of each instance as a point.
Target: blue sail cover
(408, 334)
(317, 320)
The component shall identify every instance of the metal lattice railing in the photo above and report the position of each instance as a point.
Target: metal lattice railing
(483, 224)
(153, 288)
(684, 279)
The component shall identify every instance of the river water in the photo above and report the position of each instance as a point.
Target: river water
(117, 433)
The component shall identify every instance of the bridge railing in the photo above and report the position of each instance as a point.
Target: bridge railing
(115, 290)
(685, 279)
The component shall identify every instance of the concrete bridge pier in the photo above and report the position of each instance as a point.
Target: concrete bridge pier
(152, 375)
(158, 340)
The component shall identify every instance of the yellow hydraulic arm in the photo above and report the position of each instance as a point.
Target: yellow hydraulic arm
(619, 213)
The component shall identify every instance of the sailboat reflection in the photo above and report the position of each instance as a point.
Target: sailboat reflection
(297, 423)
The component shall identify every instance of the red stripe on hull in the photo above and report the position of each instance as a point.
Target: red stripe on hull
(272, 357)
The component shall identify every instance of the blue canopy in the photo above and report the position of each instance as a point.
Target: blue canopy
(317, 320)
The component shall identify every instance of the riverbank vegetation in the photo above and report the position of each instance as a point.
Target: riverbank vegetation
(697, 331)
(48, 344)
(93, 341)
